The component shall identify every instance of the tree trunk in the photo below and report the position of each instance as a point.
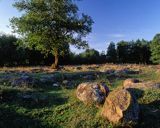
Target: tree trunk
(55, 64)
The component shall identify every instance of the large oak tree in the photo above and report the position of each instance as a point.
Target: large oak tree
(51, 25)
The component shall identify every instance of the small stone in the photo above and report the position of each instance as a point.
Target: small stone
(26, 97)
(55, 85)
(65, 82)
(89, 77)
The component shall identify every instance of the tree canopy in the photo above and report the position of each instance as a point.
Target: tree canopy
(155, 49)
(49, 25)
(133, 51)
(112, 53)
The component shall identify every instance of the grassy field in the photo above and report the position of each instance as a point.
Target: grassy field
(58, 107)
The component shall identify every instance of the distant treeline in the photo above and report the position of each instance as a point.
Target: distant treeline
(129, 52)
(11, 54)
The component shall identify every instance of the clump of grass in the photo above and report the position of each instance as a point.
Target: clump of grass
(148, 74)
(150, 96)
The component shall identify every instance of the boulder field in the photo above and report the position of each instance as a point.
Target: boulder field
(118, 106)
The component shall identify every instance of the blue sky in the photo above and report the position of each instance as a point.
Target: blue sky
(115, 20)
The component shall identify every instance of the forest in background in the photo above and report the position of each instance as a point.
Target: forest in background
(139, 51)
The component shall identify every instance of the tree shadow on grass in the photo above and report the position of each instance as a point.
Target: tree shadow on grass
(137, 93)
(9, 118)
(32, 99)
(150, 115)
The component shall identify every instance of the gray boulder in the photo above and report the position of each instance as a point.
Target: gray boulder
(92, 92)
(23, 81)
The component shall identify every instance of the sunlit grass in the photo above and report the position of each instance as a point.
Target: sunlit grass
(62, 109)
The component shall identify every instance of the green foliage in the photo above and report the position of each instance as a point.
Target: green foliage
(141, 51)
(133, 51)
(155, 49)
(48, 25)
(10, 53)
(122, 51)
(90, 56)
(111, 53)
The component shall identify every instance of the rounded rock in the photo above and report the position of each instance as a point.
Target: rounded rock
(120, 106)
(92, 92)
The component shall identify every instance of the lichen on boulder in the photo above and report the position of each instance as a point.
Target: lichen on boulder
(120, 106)
(129, 82)
(92, 92)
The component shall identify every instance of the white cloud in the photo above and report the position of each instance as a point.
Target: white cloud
(116, 35)
(91, 37)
